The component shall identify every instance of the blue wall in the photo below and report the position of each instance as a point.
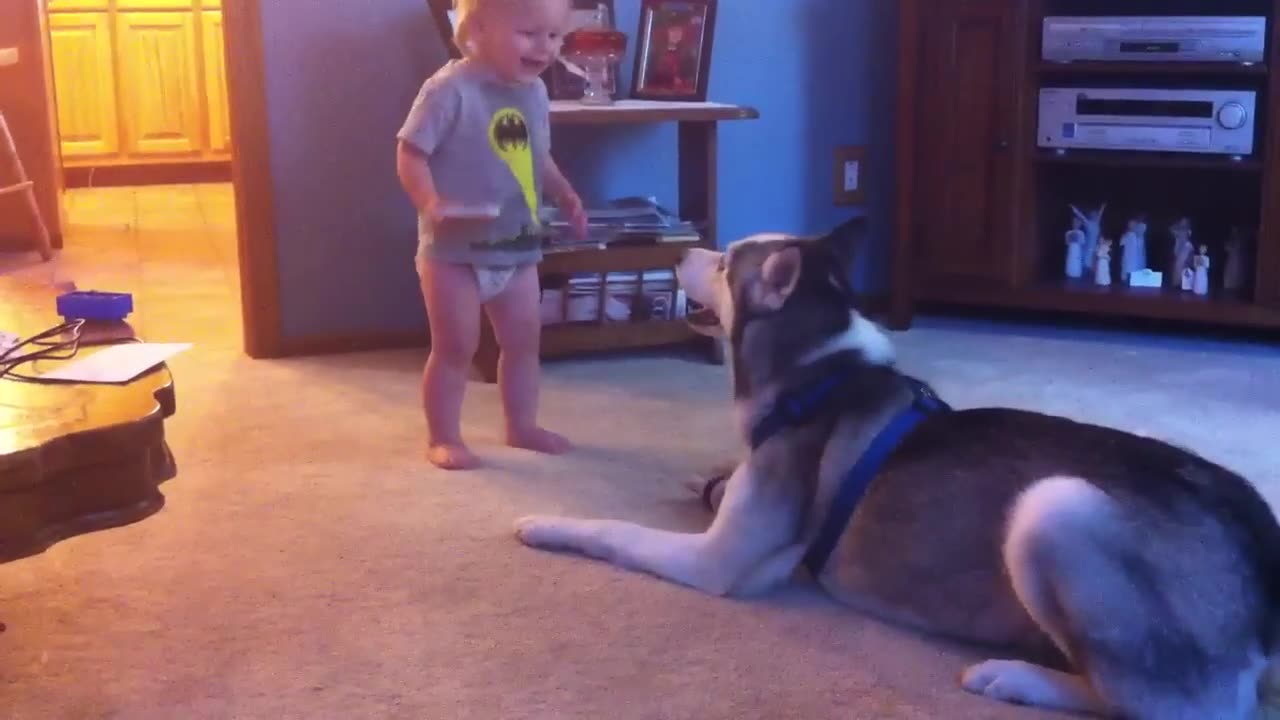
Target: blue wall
(340, 82)
(821, 73)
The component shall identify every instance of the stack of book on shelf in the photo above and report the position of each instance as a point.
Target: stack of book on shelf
(627, 297)
(623, 221)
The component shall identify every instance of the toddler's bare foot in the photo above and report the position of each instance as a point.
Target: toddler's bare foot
(452, 456)
(538, 440)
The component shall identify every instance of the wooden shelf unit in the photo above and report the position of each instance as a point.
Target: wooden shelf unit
(1140, 68)
(697, 126)
(1123, 159)
(982, 209)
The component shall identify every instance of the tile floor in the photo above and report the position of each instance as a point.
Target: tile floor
(172, 246)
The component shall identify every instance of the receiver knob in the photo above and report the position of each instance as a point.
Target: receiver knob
(1232, 116)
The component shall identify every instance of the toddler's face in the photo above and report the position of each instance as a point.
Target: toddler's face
(521, 39)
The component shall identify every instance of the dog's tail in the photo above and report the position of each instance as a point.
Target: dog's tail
(1269, 682)
(1269, 691)
(1260, 542)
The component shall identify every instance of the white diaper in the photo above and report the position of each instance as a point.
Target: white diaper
(492, 280)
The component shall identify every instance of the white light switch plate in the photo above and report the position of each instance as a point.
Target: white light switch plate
(8, 56)
(850, 175)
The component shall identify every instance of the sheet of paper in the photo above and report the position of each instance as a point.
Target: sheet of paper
(471, 212)
(624, 105)
(116, 363)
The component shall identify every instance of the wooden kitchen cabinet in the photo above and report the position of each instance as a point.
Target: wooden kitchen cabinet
(185, 5)
(74, 5)
(84, 68)
(158, 98)
(159, 83)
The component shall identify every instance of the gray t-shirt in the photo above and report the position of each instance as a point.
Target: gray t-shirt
(487, 142)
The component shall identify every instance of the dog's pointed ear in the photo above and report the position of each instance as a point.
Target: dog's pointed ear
(845, 241)
(780, 273)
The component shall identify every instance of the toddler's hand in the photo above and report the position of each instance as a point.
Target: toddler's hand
(432, 212)
(435, 210)
(571, 208)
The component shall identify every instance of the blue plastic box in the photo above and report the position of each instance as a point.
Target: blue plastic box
(95, 305)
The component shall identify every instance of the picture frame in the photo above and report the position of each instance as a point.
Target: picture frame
(561, 84)
(673, 50)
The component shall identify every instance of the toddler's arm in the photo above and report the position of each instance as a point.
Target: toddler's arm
(415, 178)
(556, 184)
(430, 119)
(562, 192)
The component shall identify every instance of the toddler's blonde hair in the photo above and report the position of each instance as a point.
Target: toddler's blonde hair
(467, 11)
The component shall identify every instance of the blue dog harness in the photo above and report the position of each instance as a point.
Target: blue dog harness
(800, 405)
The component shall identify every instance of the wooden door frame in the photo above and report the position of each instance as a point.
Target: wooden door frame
(251, 175)
(901, 300)
(250, 167)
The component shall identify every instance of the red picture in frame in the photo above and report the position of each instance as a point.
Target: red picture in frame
(673, 50)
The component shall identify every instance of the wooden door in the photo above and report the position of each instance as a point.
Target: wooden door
(215, 82)
(965, 133)
(160, 83)
(84, 84)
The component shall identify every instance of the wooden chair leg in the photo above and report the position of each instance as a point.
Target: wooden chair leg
(43, 244)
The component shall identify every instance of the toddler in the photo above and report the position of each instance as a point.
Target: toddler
(474, 156)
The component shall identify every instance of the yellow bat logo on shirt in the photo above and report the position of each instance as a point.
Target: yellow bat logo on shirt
(509, 136)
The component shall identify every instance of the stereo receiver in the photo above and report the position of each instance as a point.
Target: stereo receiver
(1238, 38)
(1195, 121)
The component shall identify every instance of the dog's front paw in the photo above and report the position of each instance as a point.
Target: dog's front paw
(997, 679)
(540, 531)
(1022, 683)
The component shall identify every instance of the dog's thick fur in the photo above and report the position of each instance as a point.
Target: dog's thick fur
(1127, 577)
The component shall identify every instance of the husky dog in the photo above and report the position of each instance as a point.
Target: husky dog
(1124, 577)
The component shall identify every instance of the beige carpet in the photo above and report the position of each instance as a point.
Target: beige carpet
(310, 565)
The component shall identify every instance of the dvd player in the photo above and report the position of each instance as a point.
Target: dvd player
(1232, 38)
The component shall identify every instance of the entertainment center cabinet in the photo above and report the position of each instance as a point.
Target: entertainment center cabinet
(983, 210)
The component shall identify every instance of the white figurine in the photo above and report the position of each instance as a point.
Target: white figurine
(1140, 229)
(1092, 221)
(1181, 252)
(1133, 248)
(1200, 283)
(1102, 264)
(1233, 270)
(1188, 279)
(1075, 249)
